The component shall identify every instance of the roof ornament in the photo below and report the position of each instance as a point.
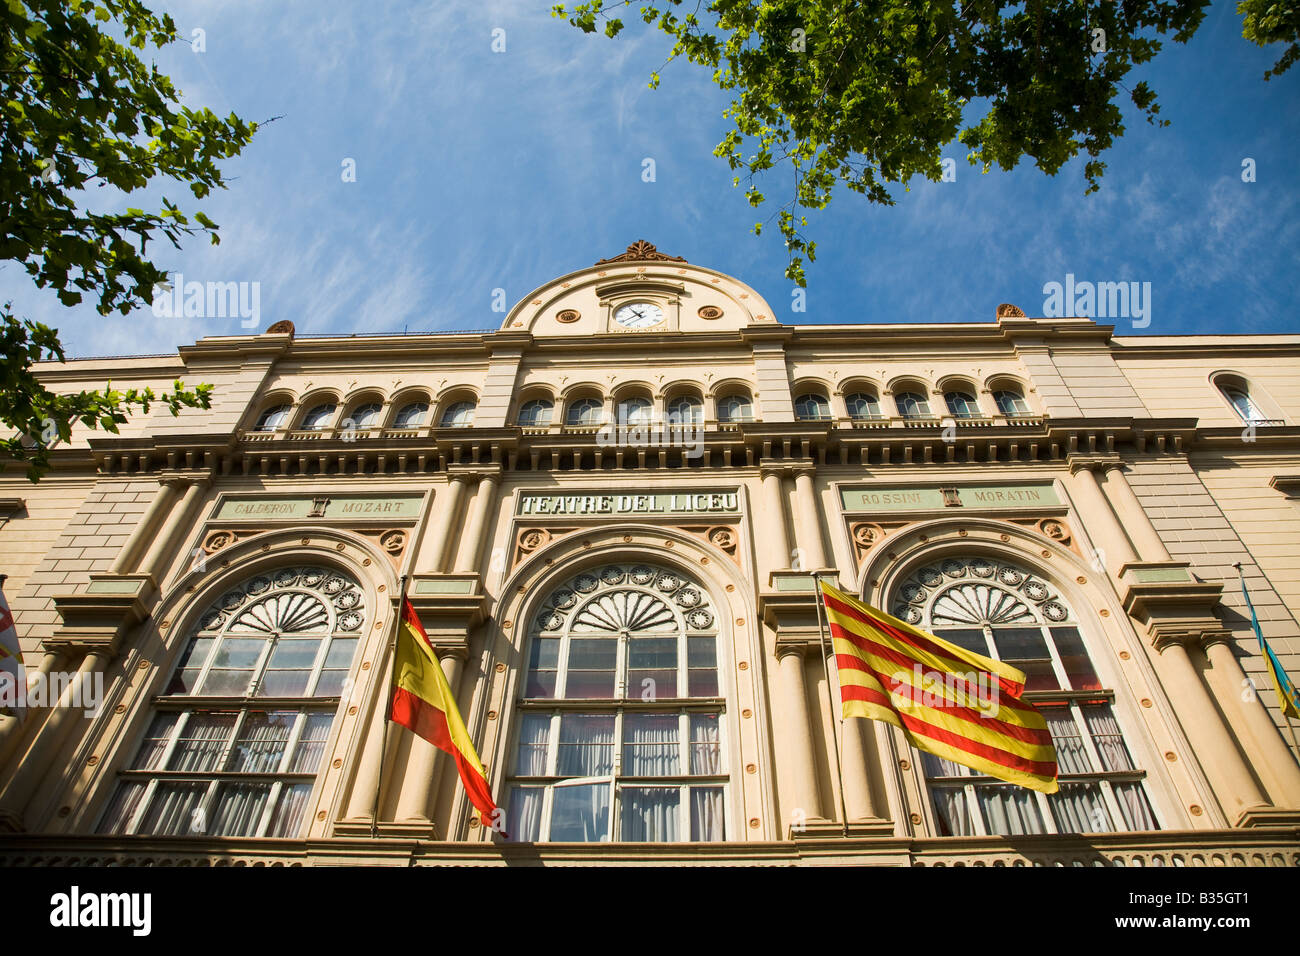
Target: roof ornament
(1008, 311)
(641, 251)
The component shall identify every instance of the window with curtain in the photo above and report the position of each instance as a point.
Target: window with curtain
(735, 408)
(411, 415)
(686, 410)
(620, 733)
(239, 732)
(812, 406)
(364, 416)
(584, 412)
(912, 405)
(1002, 611)
(458, 415)
(319, 417)
(1243, 404)
(962, 405)
(272, 418)
(1011, 402)
(862, 405)
(536, 413)
(634, 411)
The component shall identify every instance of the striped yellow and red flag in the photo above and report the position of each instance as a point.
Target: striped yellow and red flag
(948, 701)
(423, 703)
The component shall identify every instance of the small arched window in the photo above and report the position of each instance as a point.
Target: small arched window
(458, 415)
(1239, 397)
(536, 413)
(862, 405)
(912, 405)
(686, 410)
(812, 407)
(962, 405)
(364, 416)
(319, 417)
(735, 408)
(634, 411)
(272, 418)
(411, 415)
(584, 412)
(1010, 402)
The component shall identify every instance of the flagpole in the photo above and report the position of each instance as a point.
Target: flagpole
(388, 712)
(837, 719)
(1259, 635)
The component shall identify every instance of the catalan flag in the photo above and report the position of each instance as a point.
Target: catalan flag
(948, 701)
(423, 703)
(13, 677)
(1287, 696)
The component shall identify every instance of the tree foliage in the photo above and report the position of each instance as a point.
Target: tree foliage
(81, 109)
(867, 94)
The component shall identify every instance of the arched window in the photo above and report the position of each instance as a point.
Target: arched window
(536, 414)
(1239, 398)
(458, 415)
(862, 405)
(912, 405)
(634, 411)
(411, 415)
(812, 407)
(238, 733)
(1000, 610)
(364, 416)
(319, 417)
(962, 405)
(686, 410)
(272, 418)
(735, 408)
(1010, 402)
(584, 412)
(642, 758)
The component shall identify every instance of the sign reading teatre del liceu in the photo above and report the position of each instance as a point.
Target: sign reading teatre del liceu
(904, 498)
(712, 502)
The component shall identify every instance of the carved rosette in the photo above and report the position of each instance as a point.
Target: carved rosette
(1055, 528)
(393, 541)
(529, 540)
(866, 535)
(214, 541)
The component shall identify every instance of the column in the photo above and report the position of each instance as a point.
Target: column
(859, 801)
(774, 526)
(9, 726)
(446, 507)
(421, 772)
(160, 505)
(798, 733)
(1214, 747)
(1278, 768)
(165, 539)
(472, 540)
(808, 526)
(1133, 516)
(44, 752)
(1103, 527)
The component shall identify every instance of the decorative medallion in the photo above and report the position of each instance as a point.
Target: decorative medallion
(394, 542)
(710, 312)
(568, 315)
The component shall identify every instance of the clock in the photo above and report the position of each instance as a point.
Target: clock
(639, 315)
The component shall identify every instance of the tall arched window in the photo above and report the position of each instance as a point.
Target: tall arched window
(642, 757)
(1000, 610)
(239, 731)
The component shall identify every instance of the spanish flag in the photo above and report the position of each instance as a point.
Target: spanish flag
(948, 701)
(422, 702)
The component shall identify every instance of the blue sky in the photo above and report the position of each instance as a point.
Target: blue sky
(478, 170)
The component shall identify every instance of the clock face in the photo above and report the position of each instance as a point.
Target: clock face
(639, 315)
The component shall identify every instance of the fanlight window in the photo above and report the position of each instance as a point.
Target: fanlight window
(812, 407)
(686, 410)
(962, 405)
(411, 415)
(364, 416)
(272, 418)
(1011, 402)
(735, 408)
(458, 415)
(319, 417)
(642, 757)
(536, 414)
(912, 405)
(584, 412)
(240, 730)
(862, 405)
(1005, 612)
(634, 411)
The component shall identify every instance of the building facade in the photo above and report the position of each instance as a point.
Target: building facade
(607, 513)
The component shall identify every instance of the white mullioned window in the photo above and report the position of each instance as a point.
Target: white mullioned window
(812, 407)
(536, 413)
(862, 405)
(912, 405)
(1000, 610)
(1011, 402)
(620, 733)
(239, 732)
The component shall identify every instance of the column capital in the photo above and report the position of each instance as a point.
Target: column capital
(1077, 463)
(468, 471)
(1210, 638)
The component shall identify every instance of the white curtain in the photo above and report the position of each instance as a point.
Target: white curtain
(311, 745)
(203, 740)
(534, 735)
(1071, 755)
(651, 814)
(155, 742)
(706, 744)
(1010, 811)
(171, 812)
(586, 745)
(261, 742)
(1133, 804)
(580, 814)
(524, 820)
(707, 821)
(122, 808)
(950, 805)
(238, 809)
(1078, 808)
(289, 810)
(1105, 734)
(650, 745)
